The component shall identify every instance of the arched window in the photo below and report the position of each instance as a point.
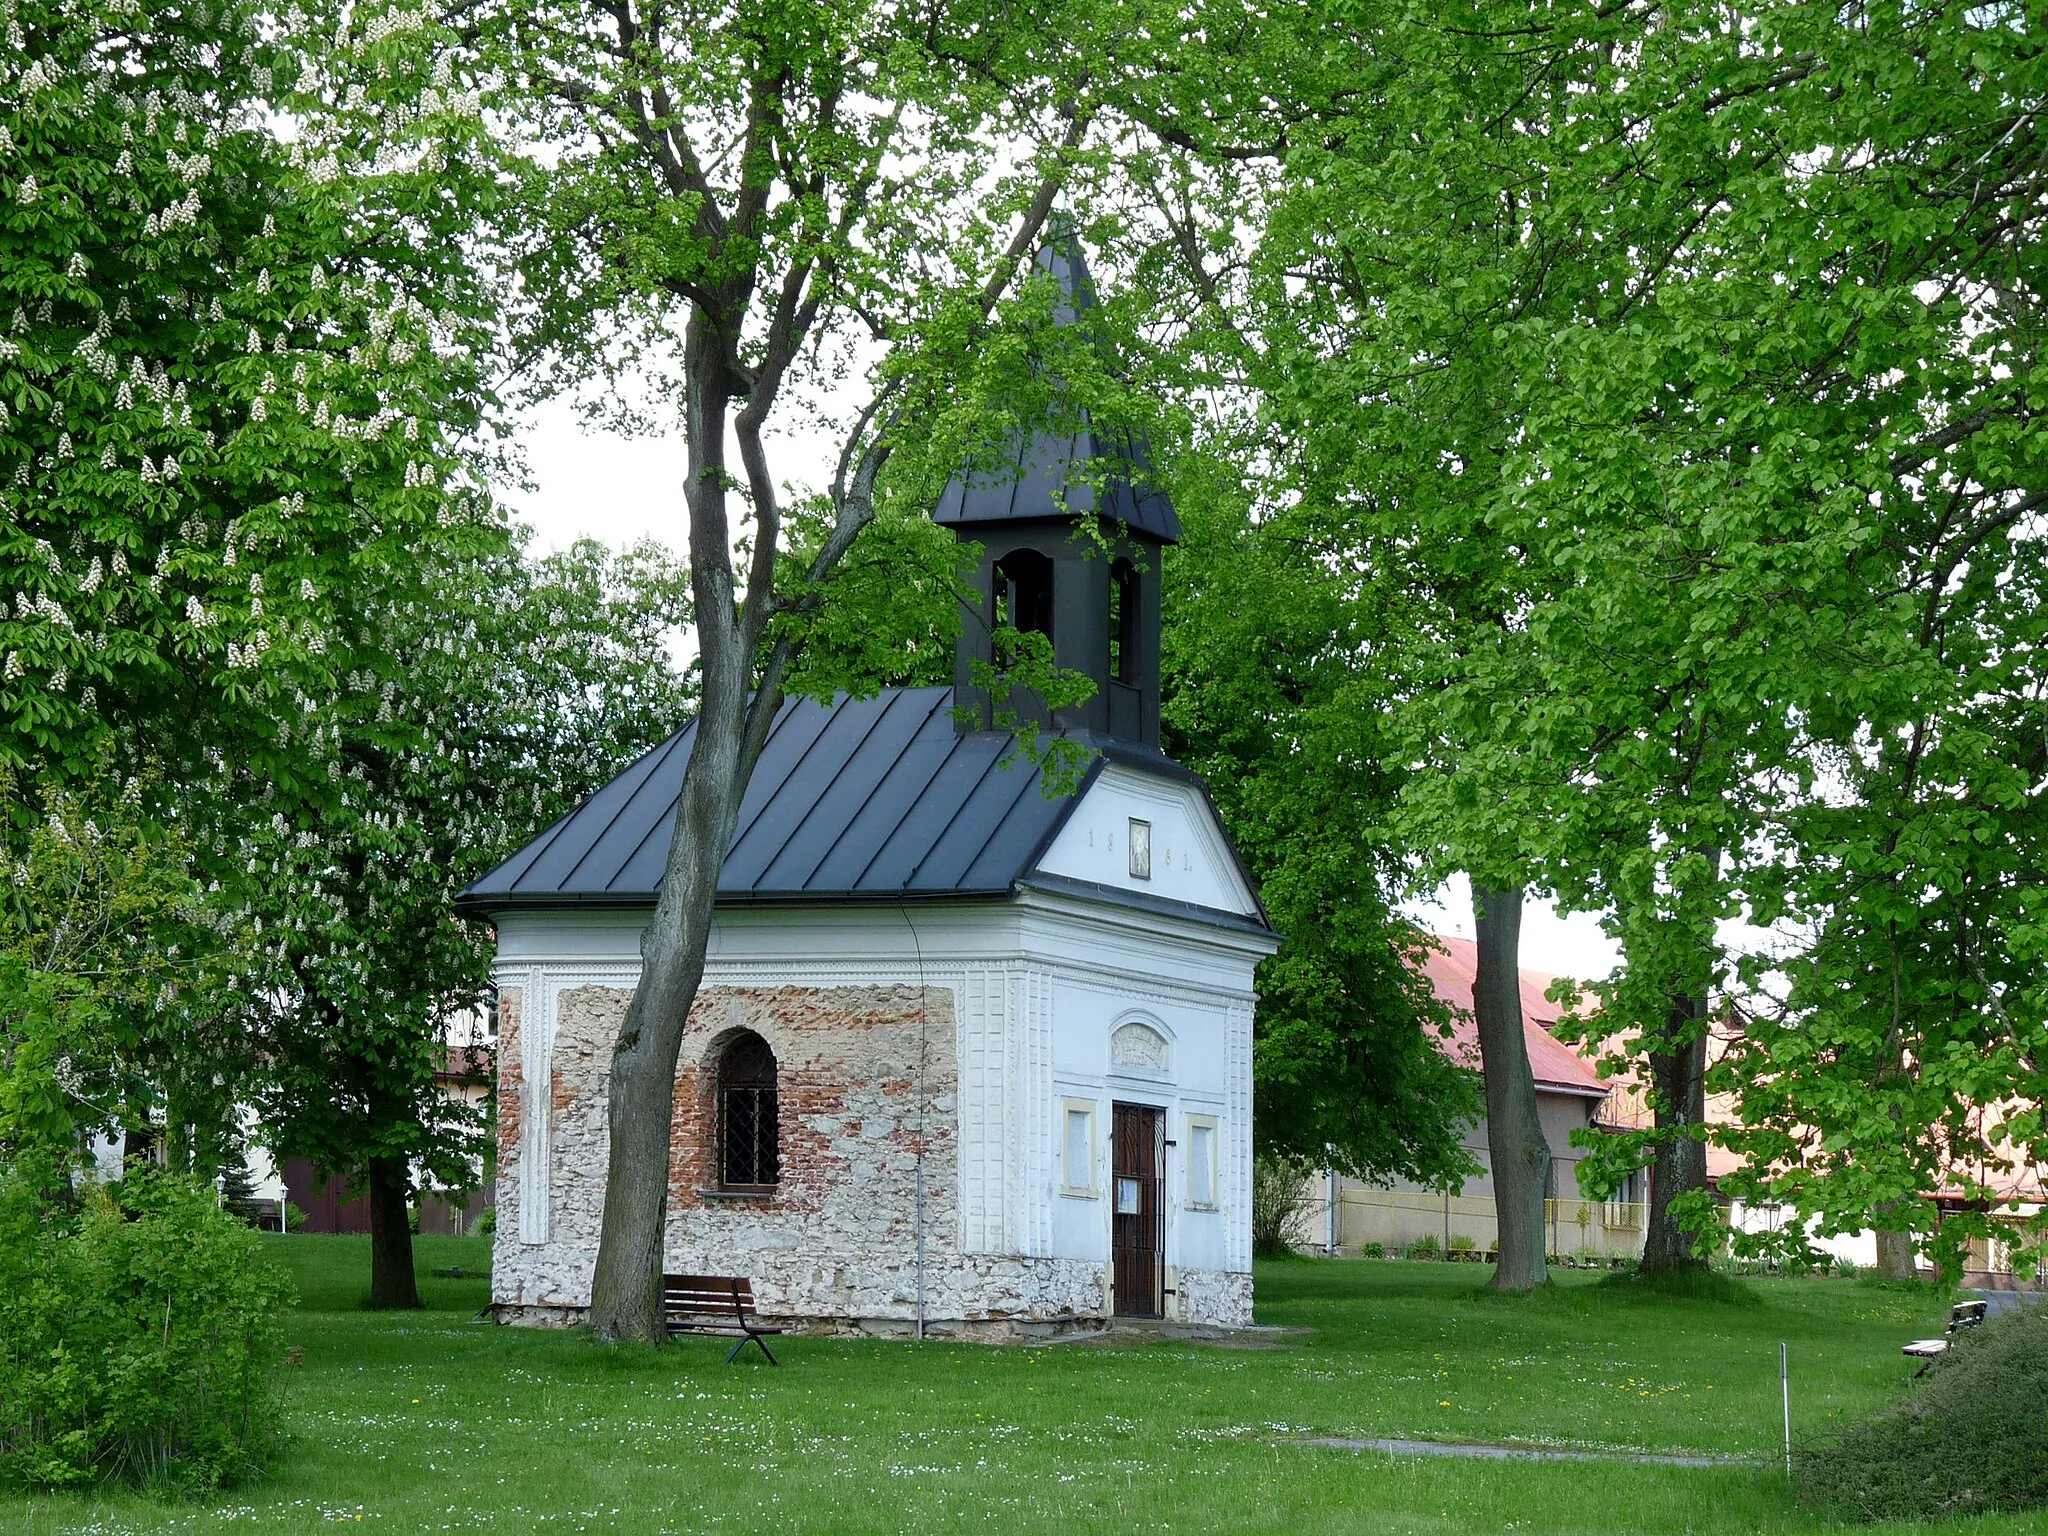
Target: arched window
(1123, 621)
(749, 1154)
(1023, 592)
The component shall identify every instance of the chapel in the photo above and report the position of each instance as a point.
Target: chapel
(967, 1060)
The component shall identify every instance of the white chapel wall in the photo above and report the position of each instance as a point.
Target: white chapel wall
(1190, 860)
(1038, 986)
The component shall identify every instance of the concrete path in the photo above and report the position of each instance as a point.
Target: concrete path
(1518, 1452)
(2007, 1301)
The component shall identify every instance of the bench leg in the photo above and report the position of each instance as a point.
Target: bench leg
(754, 1339)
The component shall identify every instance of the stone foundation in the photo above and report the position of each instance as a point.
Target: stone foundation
(1219, 1298)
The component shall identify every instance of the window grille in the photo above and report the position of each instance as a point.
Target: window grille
(749, 1150)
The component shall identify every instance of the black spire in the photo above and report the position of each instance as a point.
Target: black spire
(1098, 602)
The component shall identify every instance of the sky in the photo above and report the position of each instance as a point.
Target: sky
(620, 490)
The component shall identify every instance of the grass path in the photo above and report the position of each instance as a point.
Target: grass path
(427, 1422)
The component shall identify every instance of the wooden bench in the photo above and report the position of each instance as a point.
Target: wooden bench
(1964, 1314)
(720, 1304)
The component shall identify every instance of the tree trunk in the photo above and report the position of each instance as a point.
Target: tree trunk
(1678, 1081)
(625, 1293)
(1515, 1143)
(392, 1283)
(1895, 1256)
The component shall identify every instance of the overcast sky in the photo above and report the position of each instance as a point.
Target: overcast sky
(620, 490)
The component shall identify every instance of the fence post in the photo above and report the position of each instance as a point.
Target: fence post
(1785, 1386)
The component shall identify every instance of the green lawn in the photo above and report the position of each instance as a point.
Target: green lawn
(430, 1422)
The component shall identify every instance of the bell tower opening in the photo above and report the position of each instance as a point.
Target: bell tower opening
(1022, 599)
(1123, 621)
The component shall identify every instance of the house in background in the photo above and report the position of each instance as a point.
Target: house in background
(1570, 1094)
(328, 1204)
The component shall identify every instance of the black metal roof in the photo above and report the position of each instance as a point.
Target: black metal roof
(876, 798)
(1065, 475)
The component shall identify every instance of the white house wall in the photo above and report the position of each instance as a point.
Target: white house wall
(1038, 984)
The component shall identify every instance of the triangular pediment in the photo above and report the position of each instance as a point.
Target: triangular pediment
(1191, 861)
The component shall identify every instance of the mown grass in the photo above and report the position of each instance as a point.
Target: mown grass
(430, 1422)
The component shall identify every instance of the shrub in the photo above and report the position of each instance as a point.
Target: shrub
(1970, 1437)
(1462, 1247)
(1424, 1247)
(139, 1340)
(1372, 1250)
(1280, 1198)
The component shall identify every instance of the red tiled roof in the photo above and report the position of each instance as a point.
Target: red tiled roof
(1451, 968)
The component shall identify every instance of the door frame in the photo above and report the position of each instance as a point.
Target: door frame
(1161, 1143)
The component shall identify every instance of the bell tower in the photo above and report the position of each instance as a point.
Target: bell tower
(1040, 570)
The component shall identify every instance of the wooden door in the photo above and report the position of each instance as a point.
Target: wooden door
(1138, 1211)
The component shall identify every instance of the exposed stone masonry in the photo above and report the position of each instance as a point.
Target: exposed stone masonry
(865, 1079)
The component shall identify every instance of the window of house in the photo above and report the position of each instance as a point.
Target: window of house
(1077, 1147)
(749, 1148)
(1023, 592)
(1202, 1162)
(1123, 621)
